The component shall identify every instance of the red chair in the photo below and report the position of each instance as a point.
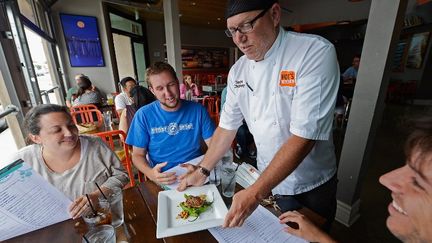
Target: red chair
(83, 108)
(116, 141)
(212, 103)
(87, 117)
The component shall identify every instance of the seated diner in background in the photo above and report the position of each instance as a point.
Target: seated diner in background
(72, 92)
(188, 89)
(124, 98)
(411, 190)
(87, 94)
(168, 131)
(70, 162)
(140, 96)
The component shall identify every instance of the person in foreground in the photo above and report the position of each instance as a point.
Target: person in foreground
(285, 88)
(70, 162)
(169, 130)
(410, 217)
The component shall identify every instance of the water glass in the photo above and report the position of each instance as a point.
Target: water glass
(102, 216)
(115, 199)
(101, 234)
(228, 180)
(215, 174)
(107, 118)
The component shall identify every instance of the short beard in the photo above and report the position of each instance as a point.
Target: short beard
(170, 107)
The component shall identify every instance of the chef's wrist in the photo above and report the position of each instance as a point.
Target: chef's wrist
(203, 171)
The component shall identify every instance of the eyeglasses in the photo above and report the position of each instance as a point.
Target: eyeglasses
(246, 27)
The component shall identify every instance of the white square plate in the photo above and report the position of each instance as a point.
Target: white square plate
(168, 209)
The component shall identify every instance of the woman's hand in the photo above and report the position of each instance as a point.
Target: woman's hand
(306, 230)
(81, 206)
(162, 178)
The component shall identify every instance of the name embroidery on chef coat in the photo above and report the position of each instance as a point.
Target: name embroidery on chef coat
(287, 78)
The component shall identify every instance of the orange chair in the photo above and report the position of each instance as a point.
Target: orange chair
(87, 116)
(212, 104)
(116, 141)
(83, 108)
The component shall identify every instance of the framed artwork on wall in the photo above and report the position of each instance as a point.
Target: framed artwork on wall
(83, 44)
(417, 49)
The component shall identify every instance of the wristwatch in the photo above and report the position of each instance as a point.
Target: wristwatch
(204, 171)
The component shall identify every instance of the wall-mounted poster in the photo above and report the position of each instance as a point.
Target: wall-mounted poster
(82, 40)
(417, 50)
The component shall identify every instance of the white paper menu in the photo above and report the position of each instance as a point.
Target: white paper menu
(27, 201)
(180, 171)
(261, 227)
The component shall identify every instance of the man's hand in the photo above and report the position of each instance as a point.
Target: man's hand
(306, 229)
(192, 178)
(243, 204)
(165, 178)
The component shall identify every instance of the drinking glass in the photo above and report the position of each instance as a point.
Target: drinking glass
(115, 199)
(107, 118)
(101, 234)
(215, 174)
(228, 180)
(102, 216)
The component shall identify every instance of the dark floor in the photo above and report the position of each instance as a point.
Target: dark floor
(387, 154)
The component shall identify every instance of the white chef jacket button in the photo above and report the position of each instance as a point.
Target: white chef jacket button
(272, 93)
(274, 123)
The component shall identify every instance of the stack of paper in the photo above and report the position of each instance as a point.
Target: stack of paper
(246, 175)
(261, 227)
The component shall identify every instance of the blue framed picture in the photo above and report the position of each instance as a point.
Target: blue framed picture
(82, 40)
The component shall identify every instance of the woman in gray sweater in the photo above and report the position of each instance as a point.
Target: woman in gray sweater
(70, 162)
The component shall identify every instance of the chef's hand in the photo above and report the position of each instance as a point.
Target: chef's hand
(193, 177)
(163, 178)
(243, 204)
(306, 229)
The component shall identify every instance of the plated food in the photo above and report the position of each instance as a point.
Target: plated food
(193, 206)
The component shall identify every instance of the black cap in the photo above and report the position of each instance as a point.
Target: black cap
(235, 7)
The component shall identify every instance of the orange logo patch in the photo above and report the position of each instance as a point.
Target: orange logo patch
(287, 78)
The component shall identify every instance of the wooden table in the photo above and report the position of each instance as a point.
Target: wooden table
(140, 212)
(138, 227)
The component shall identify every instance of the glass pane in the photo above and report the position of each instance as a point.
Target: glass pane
(123, 54)
(26, 9)
(120, 23)
(140, 61)
(39, 53)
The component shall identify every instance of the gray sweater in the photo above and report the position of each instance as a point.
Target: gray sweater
(97, 164)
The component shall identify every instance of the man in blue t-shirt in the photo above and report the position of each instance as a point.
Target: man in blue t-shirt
(169, 130)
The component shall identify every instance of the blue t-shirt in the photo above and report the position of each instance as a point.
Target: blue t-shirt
(351, 72)
(173, 136)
